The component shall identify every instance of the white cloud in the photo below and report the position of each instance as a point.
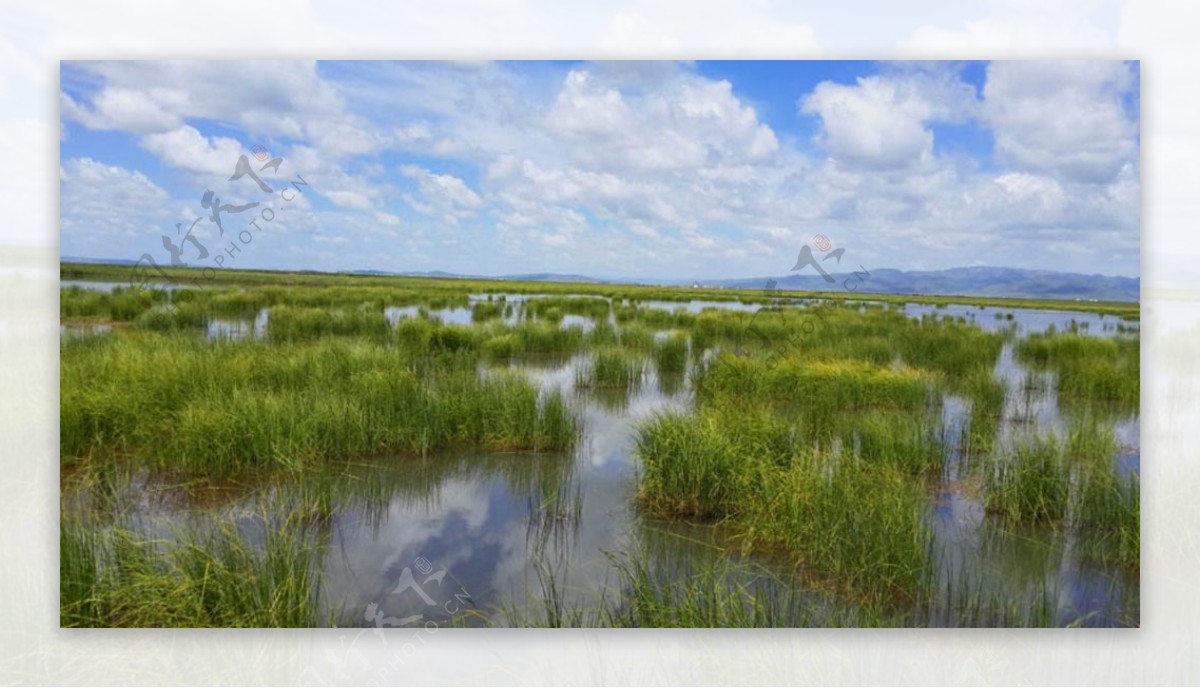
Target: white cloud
(686, 122)
(188, 149)
(442, 195)
(101, 202)
(122, 108)
(655, 168)
(272, 98)
(879, 122)
(1066, 118)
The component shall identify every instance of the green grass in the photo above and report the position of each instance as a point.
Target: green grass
(857, 528)
(177, 402)
(122, 304)
(1090, 370)
(1032, 485)
(541, 338)
(823, 389)
(484, 311)
(670, 355)
(292, 323)
(174, 317)
(636, 337)
(611, 369)
(851, 522)
(553, 308)
(1109, 516)
(723, 594)
(903, 441)
(702, 466)
(1091, 440)
(214, 578)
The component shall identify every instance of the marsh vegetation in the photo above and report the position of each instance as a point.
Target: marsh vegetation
(281, 449)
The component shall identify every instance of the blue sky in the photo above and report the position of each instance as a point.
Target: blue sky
(635, 170)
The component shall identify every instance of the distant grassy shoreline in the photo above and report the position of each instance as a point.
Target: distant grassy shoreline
(227, 276)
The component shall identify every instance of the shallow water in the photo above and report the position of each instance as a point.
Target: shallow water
(228, 328)
(76, 331)
(1024, 320)
(98, 285)
(696, 306)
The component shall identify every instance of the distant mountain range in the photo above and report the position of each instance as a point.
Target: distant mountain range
(974, 281)
(531, 277)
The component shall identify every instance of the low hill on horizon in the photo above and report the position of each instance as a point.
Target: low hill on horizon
(969, 281)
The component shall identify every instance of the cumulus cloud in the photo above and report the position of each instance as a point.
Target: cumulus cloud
(686, 123)
(101, 202)
(1066, 118)
(441, 195)
(272, 98)
(187, 149)
(880, 121)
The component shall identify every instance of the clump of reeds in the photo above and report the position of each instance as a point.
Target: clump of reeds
(636, 337)
(987, 395)
(1030, 485)
(611, 369)
(1089, 369)
(853, 522)
(179, 402)
(822, 388)
(603, 334)
(121, 304)
(537, 337)
(904, 441)
(691, 467)
(857, 527)
(1108, 519)
(670, 355)
(216, 577)
(291, 323)
(484, 311)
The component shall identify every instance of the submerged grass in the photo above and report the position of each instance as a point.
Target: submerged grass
(670, 355)
(1090, 370)
(611, 369)
(1032, 485)
(200, 578)
(1109, 516)
(852, 522)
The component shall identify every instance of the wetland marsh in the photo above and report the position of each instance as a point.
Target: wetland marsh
(291, 449)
